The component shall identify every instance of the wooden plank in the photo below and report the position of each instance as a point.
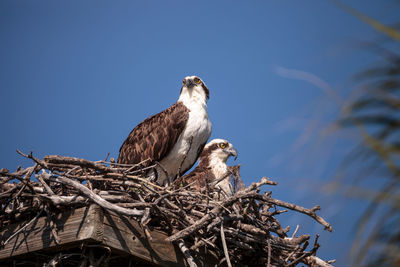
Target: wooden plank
(127, 235)
(72, 226)
(90, 224)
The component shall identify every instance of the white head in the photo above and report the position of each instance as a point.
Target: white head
(217, 150)
(214, 156)
(194, 89)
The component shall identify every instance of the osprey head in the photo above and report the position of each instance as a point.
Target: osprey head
(219, 149)
(193, 86)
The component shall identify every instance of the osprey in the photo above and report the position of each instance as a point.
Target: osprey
(174, 138)
(212, 167)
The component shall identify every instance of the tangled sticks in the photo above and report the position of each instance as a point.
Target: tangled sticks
(241, 230)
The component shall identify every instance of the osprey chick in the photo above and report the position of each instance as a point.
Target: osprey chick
(212, 167)
(173, 138)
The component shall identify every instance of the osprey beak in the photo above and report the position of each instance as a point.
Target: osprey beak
(189, 83)
(232, 152)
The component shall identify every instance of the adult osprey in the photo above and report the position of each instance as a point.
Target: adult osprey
(174, 138)
(212, 167)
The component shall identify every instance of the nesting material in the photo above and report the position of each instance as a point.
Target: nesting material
(240, 230)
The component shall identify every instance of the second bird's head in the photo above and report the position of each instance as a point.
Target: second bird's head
(218, 150)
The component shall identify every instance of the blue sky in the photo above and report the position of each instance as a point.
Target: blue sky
(77, 76)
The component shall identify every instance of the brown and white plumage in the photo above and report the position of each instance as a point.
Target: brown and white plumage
(175, 137)
(212, 167)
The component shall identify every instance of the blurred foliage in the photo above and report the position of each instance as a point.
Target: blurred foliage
(391, 32)
(375, 113)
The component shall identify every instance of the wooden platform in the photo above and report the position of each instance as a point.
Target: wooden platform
(89, 227)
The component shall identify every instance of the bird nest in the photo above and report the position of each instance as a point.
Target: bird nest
(240, 230)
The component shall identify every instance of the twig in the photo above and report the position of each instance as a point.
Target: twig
(310, 213)
(48, 189)
(95, 198)
(108, 154)
(30, 156)
(228, 261)
(295, 231)
(76, 161)
(264, 181)
(269, 253)
(22, 228)
(186, 253)
(54, 261)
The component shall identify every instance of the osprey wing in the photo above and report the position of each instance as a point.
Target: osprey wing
(197, 179)
(154, 137)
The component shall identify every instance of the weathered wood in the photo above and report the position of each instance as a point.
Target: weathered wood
(72, 226)
(127, 235)
(86, 225)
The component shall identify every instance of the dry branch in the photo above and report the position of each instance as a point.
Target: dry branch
(239, 230)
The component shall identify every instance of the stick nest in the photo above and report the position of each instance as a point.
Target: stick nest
(241, 230)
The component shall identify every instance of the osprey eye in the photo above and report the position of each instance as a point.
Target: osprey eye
(222, 145)
(184, 81)
(197, 80)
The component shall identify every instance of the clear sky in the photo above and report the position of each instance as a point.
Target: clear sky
(77, 76)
